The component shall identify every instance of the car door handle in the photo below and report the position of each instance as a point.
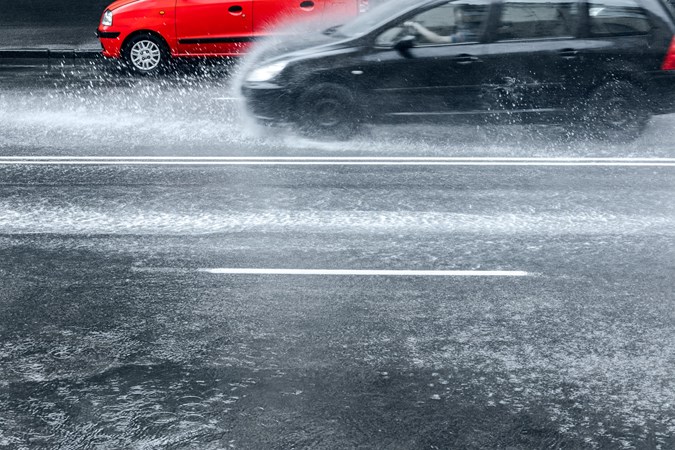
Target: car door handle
(235, 10)
(307, 5)
(466, 59)
(568, 53)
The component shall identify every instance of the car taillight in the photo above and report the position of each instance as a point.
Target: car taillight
(363, 6)
(669, 60)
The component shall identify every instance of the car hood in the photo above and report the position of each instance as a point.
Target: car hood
(297, 47)
(119, 3)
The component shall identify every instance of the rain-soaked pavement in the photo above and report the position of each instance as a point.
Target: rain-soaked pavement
(93, 108)
(116, 333)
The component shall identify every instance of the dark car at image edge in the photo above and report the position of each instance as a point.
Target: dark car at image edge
(603, 67)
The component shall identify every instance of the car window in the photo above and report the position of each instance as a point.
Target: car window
(538, 19)
(450, 23)
(617, 18)
(373, 18)
(669, 5)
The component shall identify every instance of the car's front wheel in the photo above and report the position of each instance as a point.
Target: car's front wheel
(146, 54)
(328, 111)
(617, 111)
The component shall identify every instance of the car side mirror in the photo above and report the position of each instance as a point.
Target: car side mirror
(404, 45)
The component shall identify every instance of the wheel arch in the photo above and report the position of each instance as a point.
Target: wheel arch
(621, 71)
(328, 81)
(622, 74)
(319, 83)
(348, 121)
(142, 32)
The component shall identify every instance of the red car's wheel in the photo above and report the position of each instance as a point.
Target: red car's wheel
(146, 54)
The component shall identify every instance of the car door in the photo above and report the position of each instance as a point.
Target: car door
(430, 80)
(213, 27)
(268, 15)
(532, 63)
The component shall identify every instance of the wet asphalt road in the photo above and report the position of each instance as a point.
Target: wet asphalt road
(113, 336)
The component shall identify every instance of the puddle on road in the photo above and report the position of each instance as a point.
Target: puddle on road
(30, 218)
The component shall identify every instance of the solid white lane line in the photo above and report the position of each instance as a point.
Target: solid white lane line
(337, 158)
(337, 161)
(376, 273)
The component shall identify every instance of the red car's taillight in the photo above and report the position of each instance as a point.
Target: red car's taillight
(669, 60)
(363, 6)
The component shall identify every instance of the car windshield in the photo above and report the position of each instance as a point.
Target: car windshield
(366, 22)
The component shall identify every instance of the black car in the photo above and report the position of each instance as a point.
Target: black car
(604, 65)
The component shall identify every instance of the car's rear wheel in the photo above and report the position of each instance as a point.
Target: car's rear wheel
(328, 111)
(617, 111)
(146, 54)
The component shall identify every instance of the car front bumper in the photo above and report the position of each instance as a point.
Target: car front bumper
(268, 103)
(111, 41)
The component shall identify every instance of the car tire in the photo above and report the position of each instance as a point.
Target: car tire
(328, 111)
(146, 54)
(617, 111)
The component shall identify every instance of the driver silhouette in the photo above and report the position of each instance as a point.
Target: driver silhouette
(465, 31)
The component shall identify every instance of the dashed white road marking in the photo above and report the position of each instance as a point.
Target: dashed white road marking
(370, 273)
(332, 161)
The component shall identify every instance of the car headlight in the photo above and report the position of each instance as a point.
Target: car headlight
(107, 18)
(266, 73)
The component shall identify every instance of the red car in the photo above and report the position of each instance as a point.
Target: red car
(146, 34)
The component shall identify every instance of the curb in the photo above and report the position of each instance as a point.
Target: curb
(46, 58)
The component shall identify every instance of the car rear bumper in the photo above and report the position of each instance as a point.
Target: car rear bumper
(661, 92)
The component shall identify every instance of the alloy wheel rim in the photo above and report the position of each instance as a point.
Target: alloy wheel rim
(328, 113)
(618, 114)
(146, 55)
